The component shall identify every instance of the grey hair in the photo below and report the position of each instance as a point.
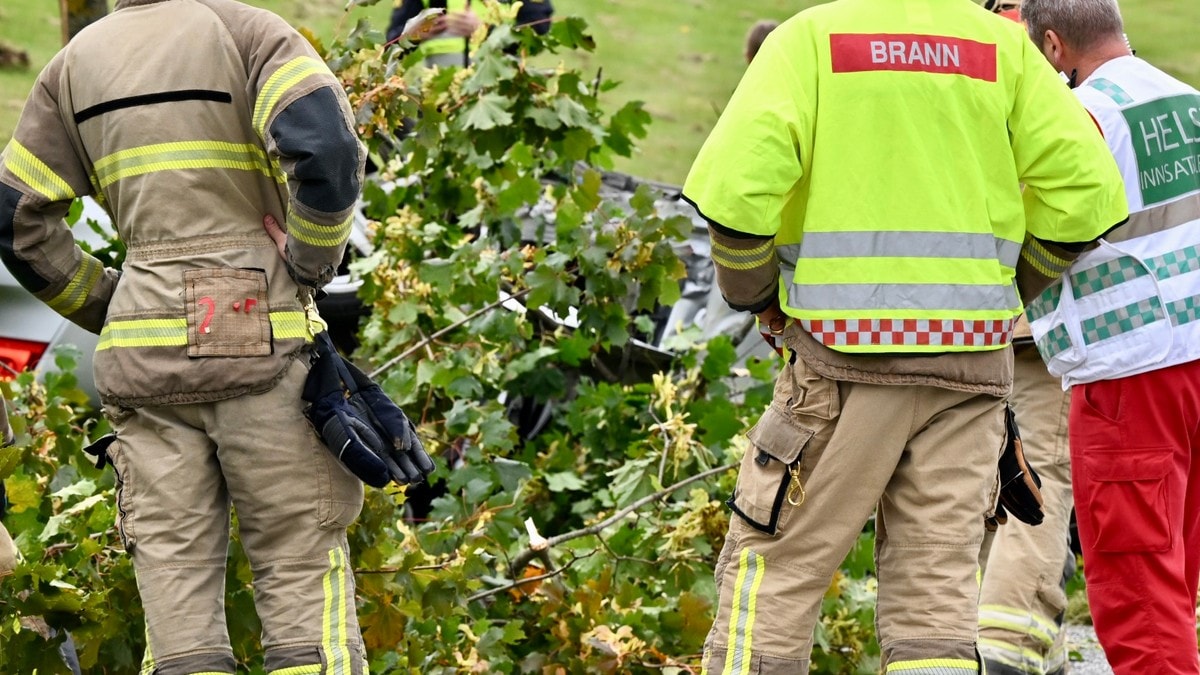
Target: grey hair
(1081, 24)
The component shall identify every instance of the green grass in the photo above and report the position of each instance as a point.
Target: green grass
(682, 58)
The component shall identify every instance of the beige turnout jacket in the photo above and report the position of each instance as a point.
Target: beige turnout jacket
(189, 120)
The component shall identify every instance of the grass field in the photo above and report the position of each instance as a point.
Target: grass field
(682, 58)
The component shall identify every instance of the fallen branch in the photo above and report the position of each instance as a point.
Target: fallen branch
(522, 559)
(528, 580)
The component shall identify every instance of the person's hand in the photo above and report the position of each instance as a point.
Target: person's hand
(276, 233)
(461, 24)
(771, 322)
(423, 30)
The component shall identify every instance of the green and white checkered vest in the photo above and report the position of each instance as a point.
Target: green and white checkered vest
(1133, 304)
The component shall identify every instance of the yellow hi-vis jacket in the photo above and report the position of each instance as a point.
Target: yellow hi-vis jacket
(449, 44)
(882, 144)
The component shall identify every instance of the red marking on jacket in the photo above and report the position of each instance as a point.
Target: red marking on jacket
(864, 52)
(208, 315)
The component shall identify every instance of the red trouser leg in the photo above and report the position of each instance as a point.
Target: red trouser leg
(1134, 444)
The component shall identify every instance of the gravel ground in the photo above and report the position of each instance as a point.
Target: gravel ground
(1081, 641)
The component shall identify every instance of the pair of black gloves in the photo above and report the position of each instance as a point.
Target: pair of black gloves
(1020, 485)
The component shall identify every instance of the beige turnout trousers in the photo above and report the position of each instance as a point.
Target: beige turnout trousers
(923, 457)
(1022, 601)
(180, 467)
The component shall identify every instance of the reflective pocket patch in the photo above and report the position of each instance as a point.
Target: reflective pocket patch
(227, 312)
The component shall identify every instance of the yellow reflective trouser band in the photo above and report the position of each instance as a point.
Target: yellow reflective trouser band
(751, 568)
(148, 663)
(1016, 621)
(314, 669)
(173, 332)
(36, 174)
(288, 76)
(934, 667)
(180, 156)
(742, 259)
(453, 45)
(76, 293)
(1018, 658)
(333, 631)
(1043, 260)
(318, 235)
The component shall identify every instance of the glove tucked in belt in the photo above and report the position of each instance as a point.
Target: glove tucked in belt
(1019, 483)
(359, 424)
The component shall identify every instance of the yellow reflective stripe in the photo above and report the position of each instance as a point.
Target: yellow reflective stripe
(143, 333)
(148, 664)
(932, 664)
(767, 246)
(289, 325)
(36, 174)
(742, 259)
(1011, 655)
(314, 669)
(179, 156)
(173, 332)
(1018, 621)
(76, 293)
(751, 567)
(290, 74)
(333, 628)
(318, 235)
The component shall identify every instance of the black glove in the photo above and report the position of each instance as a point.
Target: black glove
(1019, 483)
(359, 424)
(98, 449)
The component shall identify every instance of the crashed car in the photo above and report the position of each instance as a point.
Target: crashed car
(29, 330)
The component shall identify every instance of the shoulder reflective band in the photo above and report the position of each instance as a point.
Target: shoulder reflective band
(183, 155)
(173, 332)
(288, 76)
(36, 174)
(938, 54)
(910, 332)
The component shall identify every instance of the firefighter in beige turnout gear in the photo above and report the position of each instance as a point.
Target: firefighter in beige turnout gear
(1022, 601)
(887, 244)
(191, 120)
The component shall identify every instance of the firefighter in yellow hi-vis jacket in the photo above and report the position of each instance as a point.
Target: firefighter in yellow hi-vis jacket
(190, 121)
(862, 191)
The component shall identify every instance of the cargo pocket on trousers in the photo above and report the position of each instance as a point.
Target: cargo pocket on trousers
(125, 495)
(768, 481)
(227, 312)
(1127, 506)
(339, 492)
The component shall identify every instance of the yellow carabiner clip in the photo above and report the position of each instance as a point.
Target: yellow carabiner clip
(795, 493)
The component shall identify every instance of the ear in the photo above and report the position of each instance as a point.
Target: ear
(1054, 49)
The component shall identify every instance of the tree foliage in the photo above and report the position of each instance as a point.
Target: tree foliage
(576, 515)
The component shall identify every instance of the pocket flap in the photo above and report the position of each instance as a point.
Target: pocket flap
(1127, 466)
(778, 435)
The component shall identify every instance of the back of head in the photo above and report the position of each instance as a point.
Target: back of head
(758, 33)
(1080, 24)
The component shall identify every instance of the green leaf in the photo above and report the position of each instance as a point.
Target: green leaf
(489, 112)
(632, 480)
(564, 481)
(511, 473)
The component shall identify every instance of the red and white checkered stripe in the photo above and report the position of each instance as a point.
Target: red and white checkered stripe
(910, 332)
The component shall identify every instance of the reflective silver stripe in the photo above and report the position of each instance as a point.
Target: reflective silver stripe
(902, 296)
(906, 244)
(789, 255)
